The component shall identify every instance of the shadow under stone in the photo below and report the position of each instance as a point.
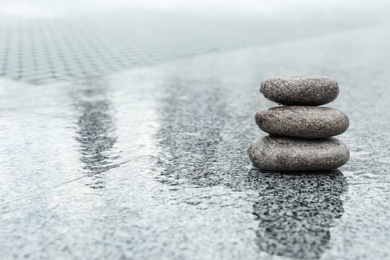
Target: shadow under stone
(296, 211)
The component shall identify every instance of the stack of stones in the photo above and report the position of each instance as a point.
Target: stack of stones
(301, 132)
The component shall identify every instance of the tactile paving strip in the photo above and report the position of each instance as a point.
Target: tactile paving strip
(39, 50)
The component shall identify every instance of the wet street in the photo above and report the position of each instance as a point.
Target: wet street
(149, 161)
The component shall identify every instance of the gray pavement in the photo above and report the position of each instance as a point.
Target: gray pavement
(151, 163)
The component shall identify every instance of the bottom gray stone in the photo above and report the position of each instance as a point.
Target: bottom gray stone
(292, 154)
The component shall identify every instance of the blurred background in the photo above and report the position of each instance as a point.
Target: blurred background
(43, 41)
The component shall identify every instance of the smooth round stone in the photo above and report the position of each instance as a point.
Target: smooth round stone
(294, 154)
(301, 91)
(302, 121)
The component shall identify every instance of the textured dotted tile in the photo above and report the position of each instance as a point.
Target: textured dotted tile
(36, 49)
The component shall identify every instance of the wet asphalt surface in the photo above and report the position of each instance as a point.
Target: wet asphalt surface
(152, 164)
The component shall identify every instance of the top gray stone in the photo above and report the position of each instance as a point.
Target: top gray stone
(300, 91)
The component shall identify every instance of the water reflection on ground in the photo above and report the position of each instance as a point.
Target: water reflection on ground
(96, 130)
(296, 211)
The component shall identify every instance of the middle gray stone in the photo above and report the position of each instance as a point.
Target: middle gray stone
(302, 121)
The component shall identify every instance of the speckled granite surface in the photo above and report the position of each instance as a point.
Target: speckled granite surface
(300, 90)
(302, 121)
(152, 163)
(279, 153)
